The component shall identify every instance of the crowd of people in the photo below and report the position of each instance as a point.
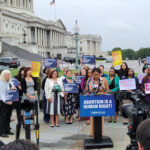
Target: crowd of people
(58, 103)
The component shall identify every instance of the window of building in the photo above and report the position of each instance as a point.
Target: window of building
(6, 25)
(80, 49)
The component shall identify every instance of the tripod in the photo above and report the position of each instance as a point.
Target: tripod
(27, 107)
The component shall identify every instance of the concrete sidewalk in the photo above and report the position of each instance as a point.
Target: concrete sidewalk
(70, 137)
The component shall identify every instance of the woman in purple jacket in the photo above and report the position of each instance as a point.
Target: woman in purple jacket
(146, 79)
(83, 86)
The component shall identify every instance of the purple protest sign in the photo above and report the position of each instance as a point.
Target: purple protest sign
(140, 77)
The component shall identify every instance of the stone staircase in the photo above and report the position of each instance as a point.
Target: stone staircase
(24, 56)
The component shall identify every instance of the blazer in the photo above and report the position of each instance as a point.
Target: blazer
(49, 87)
(116, 83)
(24, 85)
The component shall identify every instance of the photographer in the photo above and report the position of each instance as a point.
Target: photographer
(143, 135)
(5, 107)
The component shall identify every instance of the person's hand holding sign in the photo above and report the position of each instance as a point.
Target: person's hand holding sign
(9, 103)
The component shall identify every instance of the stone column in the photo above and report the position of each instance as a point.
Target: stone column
(29, 35)
(43, 39)
(8, 2)
(46, 45)
(54, 36)
(27, 4)
(36, 35)
(15, 3)
(31, 8)
(51, 40)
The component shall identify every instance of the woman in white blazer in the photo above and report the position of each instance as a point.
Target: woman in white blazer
(53, 91)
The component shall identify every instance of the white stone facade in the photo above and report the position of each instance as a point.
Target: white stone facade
(19, 26)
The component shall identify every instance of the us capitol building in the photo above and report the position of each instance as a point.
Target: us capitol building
(19, 26)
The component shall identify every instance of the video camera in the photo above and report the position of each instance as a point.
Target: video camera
(27, 106)
(136, 112)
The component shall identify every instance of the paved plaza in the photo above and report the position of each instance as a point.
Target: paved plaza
(70, 137)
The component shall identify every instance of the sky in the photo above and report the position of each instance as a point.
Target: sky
(120, 23)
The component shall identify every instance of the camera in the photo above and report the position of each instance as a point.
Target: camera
(136, 112)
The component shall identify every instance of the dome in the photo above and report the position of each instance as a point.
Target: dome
(19, 6)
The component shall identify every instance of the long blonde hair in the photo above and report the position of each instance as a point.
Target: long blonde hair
(2, 76)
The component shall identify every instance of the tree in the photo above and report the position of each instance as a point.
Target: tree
(129, 53)
(142, 53)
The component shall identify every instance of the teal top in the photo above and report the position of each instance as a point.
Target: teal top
(116, 83)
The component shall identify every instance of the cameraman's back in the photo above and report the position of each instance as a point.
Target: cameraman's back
(143, 135)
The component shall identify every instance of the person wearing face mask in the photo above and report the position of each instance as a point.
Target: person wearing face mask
(146, 79)
(123, 71)
(5, 107)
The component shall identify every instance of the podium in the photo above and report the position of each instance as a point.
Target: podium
(99, 141)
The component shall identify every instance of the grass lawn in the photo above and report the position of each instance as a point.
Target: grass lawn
(15, 71)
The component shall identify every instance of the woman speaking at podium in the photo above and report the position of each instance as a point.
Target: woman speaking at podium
(96, 85)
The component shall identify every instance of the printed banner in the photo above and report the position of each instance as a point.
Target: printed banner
(11, 96)
(50, 63)
(35, 68)
(92, 106)
(140, 77)
(127, 84)
(78, 79)
(148, 60)
(15, 82)
(147, 88)
(86, 59)
(117, 58)
(71, 88)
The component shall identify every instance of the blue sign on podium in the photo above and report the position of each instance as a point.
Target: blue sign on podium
(97, 105)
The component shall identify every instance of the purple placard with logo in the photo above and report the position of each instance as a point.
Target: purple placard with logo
(140, 77)
(147, 88)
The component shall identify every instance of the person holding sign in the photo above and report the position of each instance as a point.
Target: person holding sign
(113, 82)
(146, 85)
(53, 92)
(69, 106)
(123, 72)
(131, 75)
(96, 85)
(5, 107)
(16, 105)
